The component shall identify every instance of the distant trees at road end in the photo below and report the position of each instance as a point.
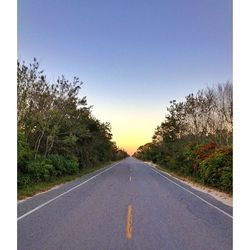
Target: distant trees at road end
(57, 133)
(195, 139)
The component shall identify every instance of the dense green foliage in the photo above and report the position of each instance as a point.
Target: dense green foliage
(57, 133)
(195, 139)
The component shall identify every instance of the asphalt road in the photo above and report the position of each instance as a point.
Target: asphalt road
(126, 206)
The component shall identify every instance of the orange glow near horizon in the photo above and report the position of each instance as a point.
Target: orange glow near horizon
(132, 134)
(131, 128)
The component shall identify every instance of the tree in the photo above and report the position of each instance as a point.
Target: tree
(201, 123)
(55, 124)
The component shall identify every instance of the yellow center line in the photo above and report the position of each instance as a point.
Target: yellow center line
(129, 223)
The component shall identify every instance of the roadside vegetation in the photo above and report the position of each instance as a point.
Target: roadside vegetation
(58, 136)
(41, 186)
(195, 139)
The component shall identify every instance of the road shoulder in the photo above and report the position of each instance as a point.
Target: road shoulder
(220, 196)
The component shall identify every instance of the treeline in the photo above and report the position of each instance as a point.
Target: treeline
(57, 133)
(195, 139)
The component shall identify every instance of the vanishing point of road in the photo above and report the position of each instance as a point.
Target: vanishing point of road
(128, 205)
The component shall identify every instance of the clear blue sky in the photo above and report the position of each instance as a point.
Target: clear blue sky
(133, 56)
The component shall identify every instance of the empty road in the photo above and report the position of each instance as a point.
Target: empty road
(128, 205)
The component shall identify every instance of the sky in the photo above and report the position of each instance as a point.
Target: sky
(133, 57)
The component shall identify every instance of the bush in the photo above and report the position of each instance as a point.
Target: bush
(63, 164)
(23, 180)
(40, 170)
(195, 154)
(71, 164)
(205, 150)
(57, 161)
(44, 169)
(216, 170)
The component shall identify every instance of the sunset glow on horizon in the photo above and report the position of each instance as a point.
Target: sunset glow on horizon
(130, 129)
(131, 135)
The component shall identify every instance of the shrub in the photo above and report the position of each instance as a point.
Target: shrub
(178, 158)
(23, 180)
(63, 164)
(43, 169)
(71, 164)
(40, 170)
(196, 153)
(57, 161)
(205, 150)
(217, 169)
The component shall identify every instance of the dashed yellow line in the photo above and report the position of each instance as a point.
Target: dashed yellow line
(129, 223)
